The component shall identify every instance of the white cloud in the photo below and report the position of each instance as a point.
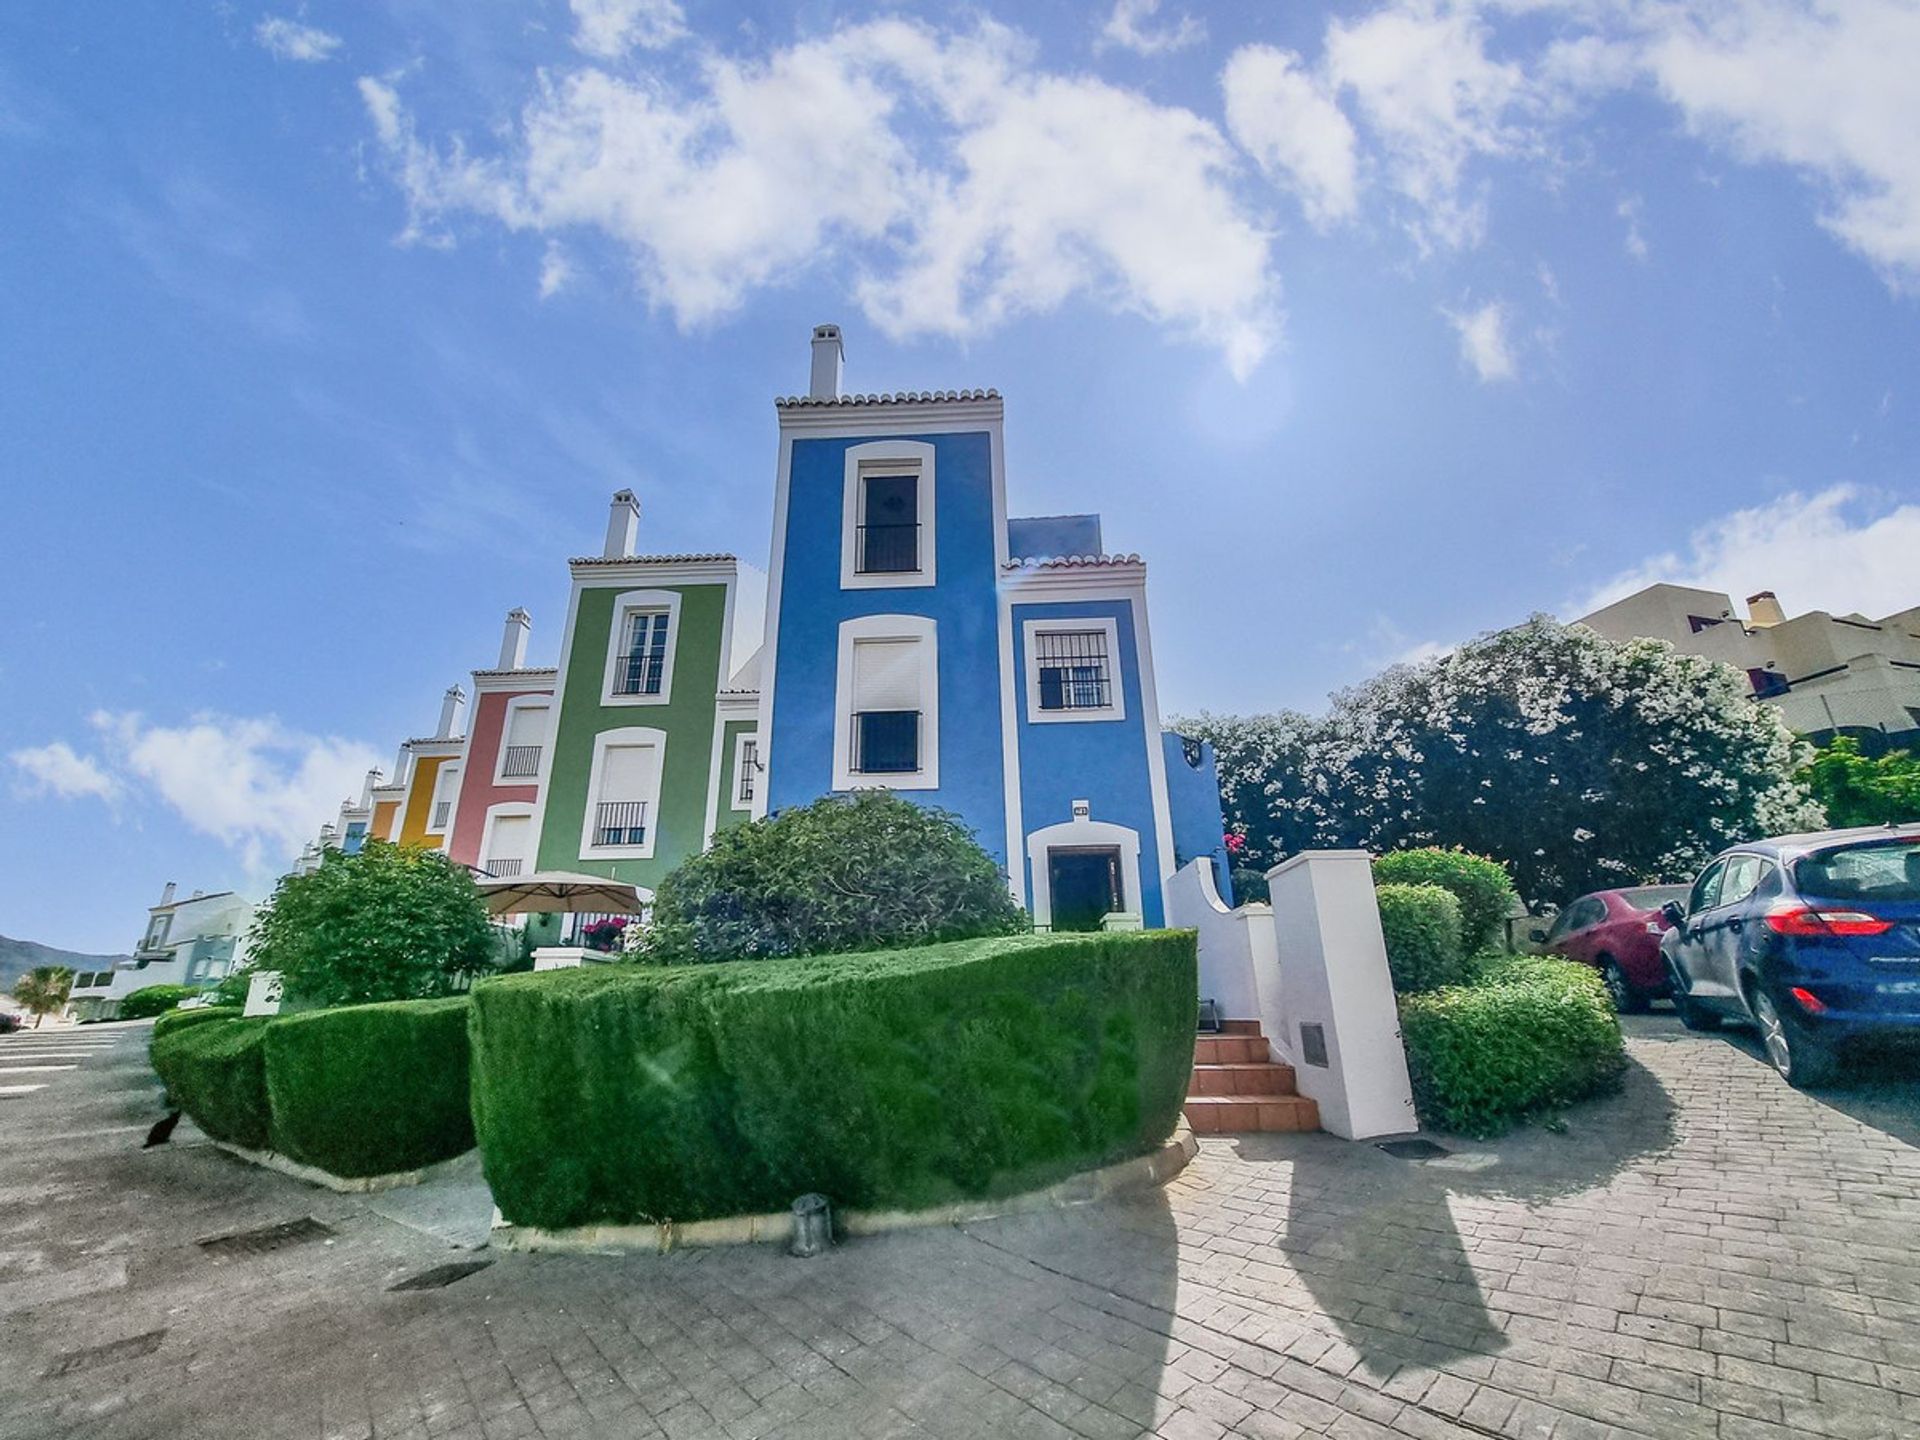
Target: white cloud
(1827, 87)
(1834, 551)
(957, 183)
(1284, 117)
(57, 770)
(609, 29)
(1131, 27)
(1634, 242)
(1484, 343)
(1433, 99)
(555, 270)
(290, 40)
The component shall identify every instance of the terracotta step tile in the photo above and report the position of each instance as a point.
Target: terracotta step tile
(1246, 1114)
(1242, 1079)
(1239, 1027)
(1230, 1050)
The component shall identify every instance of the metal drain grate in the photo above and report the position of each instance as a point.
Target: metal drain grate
(132, 1348)
(1414, 1149)
(441, 1275)
(267, 1239)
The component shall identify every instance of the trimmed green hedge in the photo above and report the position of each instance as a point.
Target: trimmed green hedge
(1482, 886)
(153, 1000)
(371, 1089)
(1421, 925)
(1531, 1034)
(218, 1075)
(173, 1020)
(885, 1079)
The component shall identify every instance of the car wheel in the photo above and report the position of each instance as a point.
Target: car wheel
(1628, 998)
(1802, 1061)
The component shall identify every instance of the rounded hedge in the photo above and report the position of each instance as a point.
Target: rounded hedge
(177, 1019)
(1531, 1034)
(1421, 925)
(217, 1074)
(893, 1079)
(153, 1000)
(849, 872)
(1482, 886)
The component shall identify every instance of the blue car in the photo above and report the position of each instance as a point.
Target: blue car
(1815, 939)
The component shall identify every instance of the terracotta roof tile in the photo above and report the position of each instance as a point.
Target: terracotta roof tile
(648, 559)
(1070, 562)
(899, 397)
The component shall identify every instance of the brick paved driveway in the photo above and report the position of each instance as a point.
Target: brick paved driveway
(1711, 1254)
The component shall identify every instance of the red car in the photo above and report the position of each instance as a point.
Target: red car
(1618, 933)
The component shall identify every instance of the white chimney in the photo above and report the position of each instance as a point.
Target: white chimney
(1764, 610)
(452, 705)
(513, 643)
(827, 357)
(400, 759)
(166, 895)
(367, 788)
(623, 525)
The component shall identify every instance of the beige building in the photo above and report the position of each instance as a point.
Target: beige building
(1825, 672)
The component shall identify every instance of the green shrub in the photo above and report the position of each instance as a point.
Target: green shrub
(153, 1000)
(1531, 1034)
(886, 1079)
(371, 1089)
(861, 872)
(1421, 925)
(218, 1075)
(1482, 886)
(392, 922)
(173, 1020)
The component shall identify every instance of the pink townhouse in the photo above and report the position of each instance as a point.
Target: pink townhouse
(493, 819)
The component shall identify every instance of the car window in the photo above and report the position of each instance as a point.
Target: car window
(1562, 923)
(1884, 872)
(1742, 878)
(1706, 890)
(1592, 911)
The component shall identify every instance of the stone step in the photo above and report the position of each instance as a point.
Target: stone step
(1252, 1079)
(1239, 1027)
(1231, 1050)
(1244, 1114)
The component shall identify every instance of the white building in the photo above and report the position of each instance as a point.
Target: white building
(1826, 673)
(195, 941)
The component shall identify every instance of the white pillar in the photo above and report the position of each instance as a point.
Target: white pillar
(1341, 1026)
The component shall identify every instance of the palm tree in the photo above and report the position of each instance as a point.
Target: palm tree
(43, 990)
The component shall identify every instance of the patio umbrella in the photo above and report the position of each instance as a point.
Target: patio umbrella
(558, 892)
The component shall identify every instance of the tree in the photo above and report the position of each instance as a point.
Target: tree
(1859, 791)
(1578, 763)
(43, 990)
(1256, 753)
(862, 872)
(393, 922)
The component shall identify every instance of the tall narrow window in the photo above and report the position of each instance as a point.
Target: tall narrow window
(889, 538)
(746, 763)
(886, 707)
(1075, 671)
(642, 665)
(629, 780)
(526, 732)
(507, 845)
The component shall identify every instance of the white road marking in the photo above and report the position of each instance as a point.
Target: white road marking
(6, 1069)
(20, 1089)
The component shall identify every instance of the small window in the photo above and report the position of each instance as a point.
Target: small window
(526, 734)
(746, 767)
(886, 707)
(642, 666)
(1075, 672)
(1743, 876)
(888, 538)
(624, 793)
(1706, 890)
(507, 845)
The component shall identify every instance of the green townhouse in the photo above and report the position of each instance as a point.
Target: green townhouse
(653, 741)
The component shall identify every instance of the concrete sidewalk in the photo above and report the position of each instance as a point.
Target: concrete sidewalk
(1710, 1254)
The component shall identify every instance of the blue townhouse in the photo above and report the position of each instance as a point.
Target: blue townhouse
(918, 639)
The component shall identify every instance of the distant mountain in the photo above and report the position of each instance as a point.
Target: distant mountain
(17, 957)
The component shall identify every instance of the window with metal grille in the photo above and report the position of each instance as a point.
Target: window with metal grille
(747, 764)
(642, 666)
(507, 844)
(526, 731)
(889, 532)
(1074, 670)
(629, 780)
(620, 822)
(886, 707)
(441, 810)
(886, 742)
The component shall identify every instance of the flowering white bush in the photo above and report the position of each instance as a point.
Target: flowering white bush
(1579, 762)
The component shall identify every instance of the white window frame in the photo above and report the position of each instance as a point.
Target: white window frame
(604, 741)
(1116, 709)
(740, 744)
(886, 457)
(534, 702)
(456, 770)
(625, 605)
(507, 810)
(923, 629)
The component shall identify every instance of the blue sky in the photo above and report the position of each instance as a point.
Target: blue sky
(330, 329)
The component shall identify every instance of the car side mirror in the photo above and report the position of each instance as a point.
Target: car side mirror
(1673, 913)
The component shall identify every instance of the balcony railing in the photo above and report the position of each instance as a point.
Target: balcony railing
(638, 674)
(519, 761)
(620, 822)
(886, 742)
(503, 869)
(889, 549)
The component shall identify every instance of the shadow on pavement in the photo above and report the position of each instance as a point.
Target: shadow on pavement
(1878, 1087)
(1377, 1240)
